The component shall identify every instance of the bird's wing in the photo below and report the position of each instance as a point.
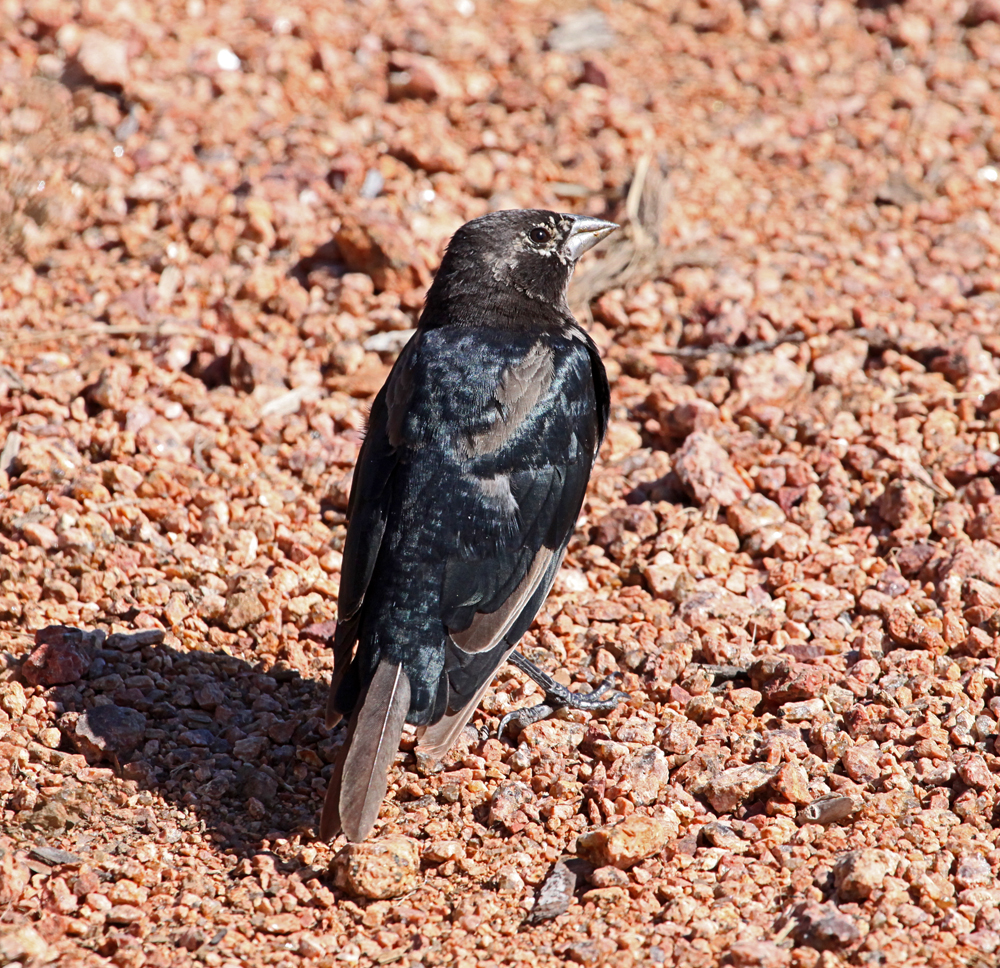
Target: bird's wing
(530, 471)
(470, 674)
(367, 511)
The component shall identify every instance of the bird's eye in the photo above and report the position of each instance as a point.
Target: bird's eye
(539, 235)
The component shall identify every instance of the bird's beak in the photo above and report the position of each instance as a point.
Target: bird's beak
(585, 234)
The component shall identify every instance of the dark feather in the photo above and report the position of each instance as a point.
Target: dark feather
(343, 651)
(358, 786)
(367, 510)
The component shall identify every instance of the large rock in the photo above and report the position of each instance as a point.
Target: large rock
(710, 602)
(823, 927)
(507, 800)
(859, 872)
(378, 869)
(105, 732)
(625, 844)
(705, 470)
(59, 657)
(642, 776)
(728, 789)
(243, 608)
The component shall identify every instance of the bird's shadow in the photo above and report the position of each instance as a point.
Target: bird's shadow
(239, 747)
(243, 749)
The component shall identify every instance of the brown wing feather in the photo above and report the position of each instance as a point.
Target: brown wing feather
(521, 387)
(360, 779)
(485, 633)
(488, 629)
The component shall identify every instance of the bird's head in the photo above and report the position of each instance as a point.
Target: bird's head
(520, 253)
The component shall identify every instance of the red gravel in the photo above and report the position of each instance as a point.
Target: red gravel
(217, 222)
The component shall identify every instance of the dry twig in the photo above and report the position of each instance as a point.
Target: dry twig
(724, 349)
(153, 329)
(634, 254)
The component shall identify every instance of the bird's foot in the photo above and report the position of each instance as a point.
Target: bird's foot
(557, 696)
(525, 717)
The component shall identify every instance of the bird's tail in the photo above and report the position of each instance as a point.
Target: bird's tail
(360, 778)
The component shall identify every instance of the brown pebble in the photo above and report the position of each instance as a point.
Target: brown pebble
(859, 872)
(104, 58)
(728, 789)
(555, 894)
(758, 954)
(705, 470)
(282, 924)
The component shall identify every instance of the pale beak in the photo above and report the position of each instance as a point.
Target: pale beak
(585, 234)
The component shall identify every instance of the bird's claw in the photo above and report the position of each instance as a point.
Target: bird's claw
(597, 701)
(524, 717)
(557, 696)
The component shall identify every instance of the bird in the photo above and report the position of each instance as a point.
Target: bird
(467, 489)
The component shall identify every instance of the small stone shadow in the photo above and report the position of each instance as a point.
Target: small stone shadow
(247, 751)
(326, 257)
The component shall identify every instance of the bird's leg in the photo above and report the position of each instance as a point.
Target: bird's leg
(557, 696)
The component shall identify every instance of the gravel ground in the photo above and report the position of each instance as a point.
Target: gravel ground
(217, 222)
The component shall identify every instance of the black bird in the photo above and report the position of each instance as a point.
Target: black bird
(466, 492)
